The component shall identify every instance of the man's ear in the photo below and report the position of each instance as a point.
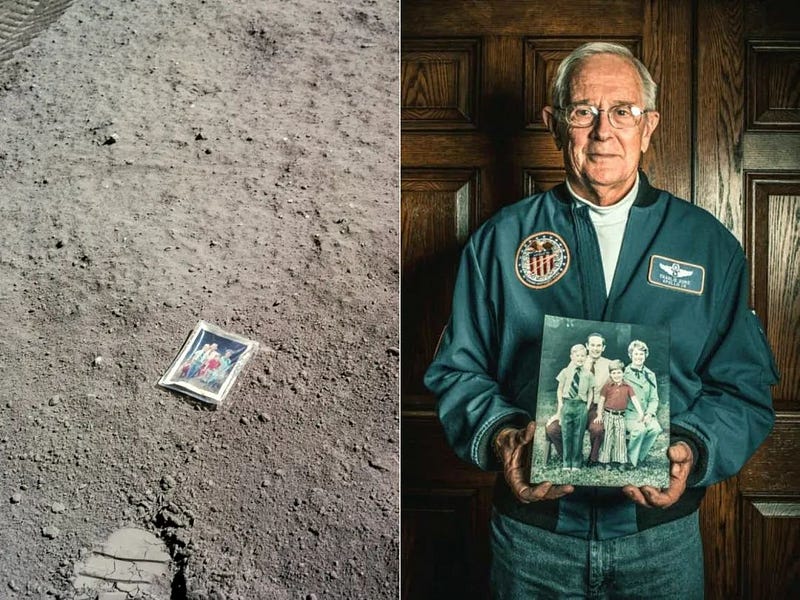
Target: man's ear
(651, 121)
(551, 122)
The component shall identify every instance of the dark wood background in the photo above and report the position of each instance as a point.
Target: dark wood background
(474, 78)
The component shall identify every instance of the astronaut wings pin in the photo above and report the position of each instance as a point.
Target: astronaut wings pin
(676, 275)
(675, 270)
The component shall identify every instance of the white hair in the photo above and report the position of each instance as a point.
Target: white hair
(560, 92)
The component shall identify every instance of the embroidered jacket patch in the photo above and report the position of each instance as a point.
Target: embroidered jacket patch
(676, 275)
(542, 259)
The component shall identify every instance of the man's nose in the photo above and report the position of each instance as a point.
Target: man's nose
(602, 129)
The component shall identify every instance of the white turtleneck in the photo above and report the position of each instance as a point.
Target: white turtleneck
(609, 224)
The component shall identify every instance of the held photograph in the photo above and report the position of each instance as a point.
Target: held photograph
(209, 363)
(602, 405)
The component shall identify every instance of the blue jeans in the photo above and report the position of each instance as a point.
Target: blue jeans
(664, 562)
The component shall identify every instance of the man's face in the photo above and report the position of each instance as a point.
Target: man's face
(601, 160)
(595, 346)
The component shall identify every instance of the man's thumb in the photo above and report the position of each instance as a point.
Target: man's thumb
(529, 430)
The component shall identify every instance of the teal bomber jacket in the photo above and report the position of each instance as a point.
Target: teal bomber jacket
(485, 372)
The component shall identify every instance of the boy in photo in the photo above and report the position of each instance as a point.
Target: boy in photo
(575, 394)
(614, 398)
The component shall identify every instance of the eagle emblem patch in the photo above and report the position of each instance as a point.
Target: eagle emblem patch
(542, 259)
(676, 275)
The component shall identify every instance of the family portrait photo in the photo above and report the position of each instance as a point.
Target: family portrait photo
(208, 363)
(602, 406)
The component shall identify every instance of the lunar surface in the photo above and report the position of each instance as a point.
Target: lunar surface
(163, 163)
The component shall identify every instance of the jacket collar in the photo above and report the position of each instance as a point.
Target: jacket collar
(646, 196)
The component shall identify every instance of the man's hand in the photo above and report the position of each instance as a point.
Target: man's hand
(513, 448)
(680, 458)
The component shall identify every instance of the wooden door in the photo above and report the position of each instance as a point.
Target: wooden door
(475, 77)
(747, 157)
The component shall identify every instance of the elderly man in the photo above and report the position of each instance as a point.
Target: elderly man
(605, 245)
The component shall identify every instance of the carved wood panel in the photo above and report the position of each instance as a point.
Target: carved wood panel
(444, 546)
(774, 468)
(773, 98)
(540, 180)
(440, 548)
(438, 212)
(772, 241)
(439, 81)
(770, 547)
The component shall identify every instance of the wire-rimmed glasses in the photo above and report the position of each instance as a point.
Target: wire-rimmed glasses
(621, 116)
